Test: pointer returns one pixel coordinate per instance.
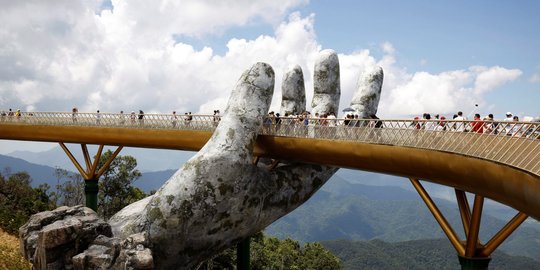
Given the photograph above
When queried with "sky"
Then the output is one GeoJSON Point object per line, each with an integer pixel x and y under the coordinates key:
{"type": "Point", "coordinates": [159, 56]}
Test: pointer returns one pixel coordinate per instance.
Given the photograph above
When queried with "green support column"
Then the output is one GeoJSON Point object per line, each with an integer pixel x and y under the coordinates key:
{"type": "Point", "coordinates": [91, 189]}
{"type": "Point", "coordinates": [480, 263]}
{"type": "Point", "coordinates": [242, 255]}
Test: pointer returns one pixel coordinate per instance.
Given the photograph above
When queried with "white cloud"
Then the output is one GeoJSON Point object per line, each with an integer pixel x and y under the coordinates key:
{"type": "Point", "coordinates": [388, 48]}
{"type": "Point", "coordinates": [127, 59]}
{"type": "Point", "coordinates": [535, 78]}
{"type": "Point", "coordinates": [490, 78]}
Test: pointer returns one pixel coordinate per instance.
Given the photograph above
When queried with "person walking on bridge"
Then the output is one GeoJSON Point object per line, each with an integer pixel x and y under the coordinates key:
{"type": "Point", "coordinates": [98, 117]}
{"type": "Point", "coordinates": [460, 126]}
{"type": "Point", "coordinates": [478, 125]}
{"type": "Point", "coordinates": [174, 119]}
{"type": "Point", "coordinates": [141, 117]}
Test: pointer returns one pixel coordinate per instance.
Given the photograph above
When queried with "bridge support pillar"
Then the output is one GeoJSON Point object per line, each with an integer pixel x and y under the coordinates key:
{"type": "Point", "coordinates": [91, 173]}
{"type": "Point", "coordinates": [242, 255]}
{"type": "Point", "coordinates": [472, 254]}
{"type": "Point", "coordinates": [91, 189]}
{"type": "Point", "coordinates": [480, 263]}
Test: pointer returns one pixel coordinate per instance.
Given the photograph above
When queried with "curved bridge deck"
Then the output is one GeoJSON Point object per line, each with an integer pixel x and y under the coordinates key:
{"type": "Point", "coordinates": [501, 163]}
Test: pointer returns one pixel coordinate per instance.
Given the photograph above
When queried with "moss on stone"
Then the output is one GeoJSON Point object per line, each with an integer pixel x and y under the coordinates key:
{"type": "Point", "coordinates": [224, 188]}
{"type": "Point", "coordinates": [154, 214]}
{"type": "Point", "coordinates": [230, 133]}
{"type": "Point", "coordinates": [186, 209]}
{"type": "Point", "coordinates": [170, 199]}
{"type": "Point", "coordinates": [368, 98]}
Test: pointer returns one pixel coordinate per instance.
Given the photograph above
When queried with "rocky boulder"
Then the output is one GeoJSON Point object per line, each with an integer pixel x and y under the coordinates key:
{"type": "Point", "coordinates": [76, 238]}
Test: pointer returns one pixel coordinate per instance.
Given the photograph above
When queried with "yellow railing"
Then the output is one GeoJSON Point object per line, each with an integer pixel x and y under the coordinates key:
{"type": "Point", "coordinates": [512, 143]}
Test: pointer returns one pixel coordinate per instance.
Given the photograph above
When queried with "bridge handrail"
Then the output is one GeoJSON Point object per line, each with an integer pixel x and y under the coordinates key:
{"type": "Point", "coordinates": [513, 143]}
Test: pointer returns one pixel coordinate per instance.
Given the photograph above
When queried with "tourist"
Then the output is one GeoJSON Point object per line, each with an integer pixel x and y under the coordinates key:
{"type": "Point", "coordinates": [174, 119]}
{"type": "Point", "coordinates": [141, 117]}
{"type": "Point", "coordinates": [74, 112]}
{"type": "Point", "coordinates": [189, 118]}
{"type": "Point", "coordinates": [490, 126]}
{"type": "Point", "coordinates": [508, 125]}
{"type": "Point", "coordinates": [277, 120]}
{"type": "Point", "coordinates": [415, 123]}
{"type": "Point", "coordinates": [428, 124]}
{"type": "Point", "coordinates": [268, 122]}
{"type": "Point", "coordinates": [516, 129]}
{"type": "Point", "coordinates": [216, 118]}
{"type": "Point", "coordinates": [441, 125]}
{"type": "Point", "coordinates": [122, 118]}
{"type": "Point", "coordinates": [460, 126]}
{"type": "Point", "coordinates": [132, 117]}
{"type": "Point", "coordinates": [98, 117]}
{"type": "Point", "coordinates": [478, 125]}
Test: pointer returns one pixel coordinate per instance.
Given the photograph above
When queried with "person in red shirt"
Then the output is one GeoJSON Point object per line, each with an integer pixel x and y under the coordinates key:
{"type": "Point", "coordinates": [478, 124]}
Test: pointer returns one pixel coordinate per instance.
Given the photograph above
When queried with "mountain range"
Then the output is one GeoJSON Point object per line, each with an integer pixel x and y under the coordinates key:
{"type": "Point", "coordinates": [353, 205]}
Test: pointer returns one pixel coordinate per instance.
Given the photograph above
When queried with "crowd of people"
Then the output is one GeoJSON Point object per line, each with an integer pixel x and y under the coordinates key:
{"type": "Point", "coordinates": [511, 125]}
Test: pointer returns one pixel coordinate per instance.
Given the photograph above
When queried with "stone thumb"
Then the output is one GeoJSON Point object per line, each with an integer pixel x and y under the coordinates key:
{"type": "Point", "coordinates": [248, 104]}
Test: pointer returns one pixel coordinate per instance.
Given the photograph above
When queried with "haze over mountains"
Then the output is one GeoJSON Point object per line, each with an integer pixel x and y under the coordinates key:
{"type": "Point", "coordinates": [147, 159]}
{"type": "Point", "coordinates": [353, 205]}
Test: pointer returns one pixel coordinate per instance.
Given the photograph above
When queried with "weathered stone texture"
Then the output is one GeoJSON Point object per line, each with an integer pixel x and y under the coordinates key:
{"type": "Point", "coordinates": [326, 83]}
{"type": "Point", "coordinates": [49, 239]}
{"type": "Point", "coordinates": [75, 238]}
{"type": "Point", "coordinates": [366, 98]}
{"type": "Point", "coordinates": [293, 90]}
{"type": "Point", "coordinates": [112, 253]}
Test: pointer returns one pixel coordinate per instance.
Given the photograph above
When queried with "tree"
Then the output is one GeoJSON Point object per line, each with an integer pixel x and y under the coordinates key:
{"type": "Point", "coordinates": [18, 201]}
{"type": "Point", "coordinates": [115, 185]}
{"type": "Point", "coordinates": [71, 191]}
{"type": "Point", "coordinates": [315, 256]}
{"type": "Point", "coordinates": [272, 253]}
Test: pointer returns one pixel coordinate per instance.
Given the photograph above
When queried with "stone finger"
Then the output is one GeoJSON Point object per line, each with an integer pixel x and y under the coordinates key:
{"type": "Point", "coordinates": [293, 101]}
{"type": "Point", "coordinates": [326, 83]}
{"type": "Point", "coordinates": [365, 101]}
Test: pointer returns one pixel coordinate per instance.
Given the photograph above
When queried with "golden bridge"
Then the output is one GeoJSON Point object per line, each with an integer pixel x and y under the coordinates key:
{"type": "Point", "coordinates": [495, 160]}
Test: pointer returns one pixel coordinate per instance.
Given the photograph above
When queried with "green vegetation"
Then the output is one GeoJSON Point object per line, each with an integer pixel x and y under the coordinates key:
{"type": "Point", "coordinates": [269, 253]}
{"type": "Point", "coordinates": [343, 210]}
{"type": "Point", "coordinates": [18, 201]}
{"type": "Point", "coordinates": [115, 186]}
{"type": "Point", "coordinates": [418, 254]}
{"type": "Point", "coordinates": [69, 188]}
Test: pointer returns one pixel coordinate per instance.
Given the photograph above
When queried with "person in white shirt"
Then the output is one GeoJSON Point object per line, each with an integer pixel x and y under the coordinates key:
{"type": "Point", "coordinates": [508, 126]}
{"type": "Point", "coordinates": [460, 126]}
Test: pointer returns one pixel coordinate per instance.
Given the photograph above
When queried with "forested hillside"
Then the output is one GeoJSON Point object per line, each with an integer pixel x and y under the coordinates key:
{"type": "Point", "coordinates": [418, 254]}
{"type": "Point", "coordinates": [342, 210]}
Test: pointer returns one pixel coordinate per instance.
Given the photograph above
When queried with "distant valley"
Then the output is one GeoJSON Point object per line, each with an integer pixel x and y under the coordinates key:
{"type": "Point", "coordinates": [353, 205]}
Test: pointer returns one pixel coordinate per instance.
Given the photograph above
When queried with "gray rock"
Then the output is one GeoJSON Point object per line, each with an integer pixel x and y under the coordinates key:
{"type": "Point", "coordinates": [113, 253]}
{"type": "Point", "coordinates": [293, 91]}
{"type": "Point", "coordinates": [366, 98]}
{"type": "Point", "coordinates": [50, 239]}
{"type": "Point", "coordinates": [75, 238]}
{"type": "Point", "coordinates": [326, 83]}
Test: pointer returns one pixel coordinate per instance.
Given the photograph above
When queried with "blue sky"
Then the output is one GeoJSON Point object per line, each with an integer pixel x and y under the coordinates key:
{"type": "Point", "coordinates": [159, 56]}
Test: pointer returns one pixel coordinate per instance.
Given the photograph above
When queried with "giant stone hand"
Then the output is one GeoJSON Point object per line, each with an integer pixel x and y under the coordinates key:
{"type": "Point", "coordinates": [220, 197]}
